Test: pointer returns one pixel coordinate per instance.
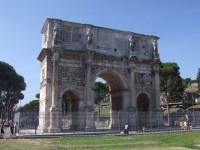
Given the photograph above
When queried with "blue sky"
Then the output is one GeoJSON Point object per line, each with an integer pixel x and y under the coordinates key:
{"type": "Point", "coordinates": [176, 22]}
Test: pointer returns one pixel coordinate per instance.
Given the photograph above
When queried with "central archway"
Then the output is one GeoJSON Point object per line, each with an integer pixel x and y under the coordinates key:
{"type": "Point", "coordinates": [116, 92]}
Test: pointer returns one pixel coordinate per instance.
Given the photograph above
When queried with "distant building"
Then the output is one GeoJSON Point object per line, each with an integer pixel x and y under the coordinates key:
{"type": "Point", "coordinates": [190, 97]}
{"type": "Point", "coordinates": [191, 94]}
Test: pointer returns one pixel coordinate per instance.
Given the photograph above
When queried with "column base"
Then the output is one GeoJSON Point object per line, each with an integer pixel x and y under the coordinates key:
{"type": "Point", "coordinates": [52, 129]}
{"type": "Point", "coordinates": [114, 126]}
{"type": "Point", "coordinates": [90, 129]}
{"type": "Point", "coordinates": [132, 118]}
{"type": "Point", "coordinates": [133, 110]}
{"type": "Point", "coordinates": [42, 129]}
{"type": "Point", "coordinates": [54, 120]}
{"type": "Point", "coordinates": [158, 109]}
{"type": "Point", "coordinates": [89, 47]}
{"type": "Point", "coordinates": [89, 118]}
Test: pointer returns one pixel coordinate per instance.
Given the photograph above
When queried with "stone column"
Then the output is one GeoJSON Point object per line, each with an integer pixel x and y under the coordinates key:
{"type": "Point", "coordinates": [157, 86]}
{"type": "Point", "coordinates": [54, 110]}
{"type": "Point", "coordinates": [133, 109]}
{"type": "Point", "coordinates": [133, 90]}
{"type": "Point", "coordinates": [116, 109]}
{"type": "Point", "coordinates": [89, 102]}
{"type": "Point", "coordinates": [45, 90]}
{"type": "Point", "coordinates": [89, 110]}
{"type": "Point", "coordinates": [159, 118]}
{"type": "Point", "coordinates": [81, 119]}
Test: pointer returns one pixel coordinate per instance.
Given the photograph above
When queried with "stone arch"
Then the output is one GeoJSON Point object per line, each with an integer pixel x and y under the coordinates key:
{"type": "Point", "coordinates": [105, 74]}
{"type": "Point", "coordinates": [71, 100]}
{"type": "Point", "coordinates": [117, 86]}
{"type": "Point", "coordinates": [115, 80]}
{"type": "Point", "coordinates": [71, 67]}
{"type": "Point", "coordinates": [143, 106]}
{"type": "Point", "coordinates": [143, 102]}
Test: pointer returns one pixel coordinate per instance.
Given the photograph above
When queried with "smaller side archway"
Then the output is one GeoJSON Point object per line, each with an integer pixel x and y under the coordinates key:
{"type": "Point", "coordinates": [143, 104]}
{"type": "Point", "coordinates": [72, 118]}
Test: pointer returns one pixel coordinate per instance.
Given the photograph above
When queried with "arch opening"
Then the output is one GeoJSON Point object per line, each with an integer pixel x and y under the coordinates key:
{"type": "Point", "coordinates": [70, 108]}
{"type": "Point", "coordinates": [108, 108]}
{"type": "Point", "coordinates": [143, 103]}
{"type": "Point", "coordinates": [143, 109]}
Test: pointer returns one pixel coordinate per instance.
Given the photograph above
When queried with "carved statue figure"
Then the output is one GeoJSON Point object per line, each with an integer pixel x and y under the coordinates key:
{"type": "Point", "coordinates": [131, 41]}
{"type": "Point", "coordinates": [55, 35]}
{"type": "Point", "coordinates": [155, 46]}
{"type": "Point", "coordinates": [155, 50]}
{"type": "Point", "coordinates": [89, 36]}
{"type": "Point", "coordinates": [55, 32]}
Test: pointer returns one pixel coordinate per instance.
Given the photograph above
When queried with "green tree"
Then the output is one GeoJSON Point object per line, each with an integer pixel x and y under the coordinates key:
{"type": "Point", "coordinates": [11, 86]}
{"type": "Point", "coordinates": [198, 80]}
{"type": "Point", "coordinates": [176, 89]}
{"type": "Point", "coordinates": [32, 106]}
{"type": "Point", "coordinates": [171, 84]}
{"type": "Point", "coordinates": [186, 82]}
{"type": "Point", "coordinates": [37, 95]}
{"type": "Point", "coordinates": [101, 92]}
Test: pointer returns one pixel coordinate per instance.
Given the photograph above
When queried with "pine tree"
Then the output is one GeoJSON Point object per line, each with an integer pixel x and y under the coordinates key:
{"type": "Point", "coordinates": [171, 83]}
{"type": "Point", "coordinates": [176, 89]}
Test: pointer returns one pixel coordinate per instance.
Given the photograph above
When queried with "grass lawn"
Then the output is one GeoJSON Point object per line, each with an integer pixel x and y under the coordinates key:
{"type": "Point", "coordinates": [173, 141]}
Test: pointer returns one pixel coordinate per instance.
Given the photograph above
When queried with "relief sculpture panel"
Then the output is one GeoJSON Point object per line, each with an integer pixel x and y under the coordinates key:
{"type": "Point", "coordinates": [143, 78]}
{"type": "Point", "coordinates": [69, 73]}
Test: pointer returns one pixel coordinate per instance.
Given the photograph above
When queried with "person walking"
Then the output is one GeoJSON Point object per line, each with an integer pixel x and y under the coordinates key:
{"type": "Point", "coordinates": [16, 128]}
{"type": "Point", "coordinates": [2, 130]}
{"type": "Point", "coordinates": [11, 129]}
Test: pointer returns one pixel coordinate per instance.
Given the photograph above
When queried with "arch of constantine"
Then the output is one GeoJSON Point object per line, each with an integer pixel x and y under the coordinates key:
{"type": "Point", "coordinates": [74, 55]}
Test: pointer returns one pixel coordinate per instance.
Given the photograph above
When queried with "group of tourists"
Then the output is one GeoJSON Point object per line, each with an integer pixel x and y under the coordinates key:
{"type": "Point", "coordinates": [14, 128]}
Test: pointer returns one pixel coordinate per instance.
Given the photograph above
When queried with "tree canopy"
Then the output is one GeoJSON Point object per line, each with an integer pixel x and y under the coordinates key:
{"type": "Point", "coordinates": [101, 91]}
{"type": "Point", "coordinates": [32, 106]}
{"type": "Point", "coordinates": [11, 86]}
{"type": "Point", "coordinates": [171, 82]}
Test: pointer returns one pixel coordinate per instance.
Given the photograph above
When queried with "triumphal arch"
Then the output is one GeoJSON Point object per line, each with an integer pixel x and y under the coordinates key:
{"type": "Point", "coordinates": [73, 55]}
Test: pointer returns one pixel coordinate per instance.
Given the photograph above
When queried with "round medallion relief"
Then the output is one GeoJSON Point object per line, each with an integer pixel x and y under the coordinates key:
{"type": "Point", "coordinates": [147, 79]}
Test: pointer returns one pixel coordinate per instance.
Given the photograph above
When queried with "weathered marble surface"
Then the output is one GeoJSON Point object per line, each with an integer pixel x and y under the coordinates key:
{"type": "Point", "coordinates": [73, 55]}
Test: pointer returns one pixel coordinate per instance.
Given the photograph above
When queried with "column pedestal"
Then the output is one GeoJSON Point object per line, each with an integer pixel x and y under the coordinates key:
{"type": "Point", "coordinates": [89, 117]}
{"type": "Point", "coordinates": [115, 120]}
{"type": "Point", "coordinates": [54, 120]}
{"type": "Point", "coordinates": [132, 118]}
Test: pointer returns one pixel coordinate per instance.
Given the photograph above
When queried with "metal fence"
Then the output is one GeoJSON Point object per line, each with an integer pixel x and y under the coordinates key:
{"type": "Point", "coordinates": [28, 122]}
